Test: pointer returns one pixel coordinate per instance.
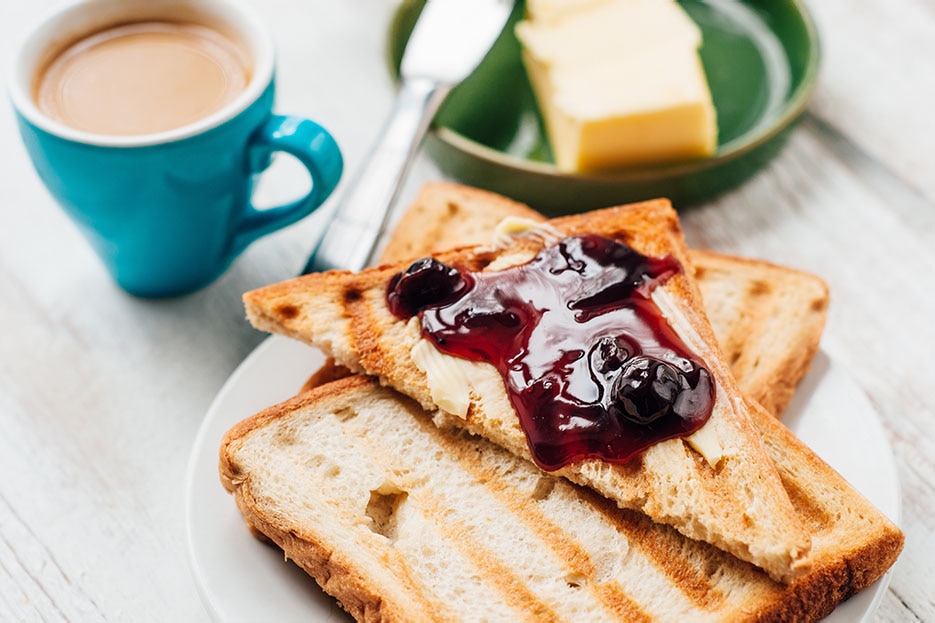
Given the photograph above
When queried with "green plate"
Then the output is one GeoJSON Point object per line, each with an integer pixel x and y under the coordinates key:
{"type": "Point", "coordinates": [761, 60]}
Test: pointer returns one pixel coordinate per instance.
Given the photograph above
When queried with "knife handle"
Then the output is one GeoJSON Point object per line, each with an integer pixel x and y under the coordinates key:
{"type": "Point", "coordinates": [358, 222]}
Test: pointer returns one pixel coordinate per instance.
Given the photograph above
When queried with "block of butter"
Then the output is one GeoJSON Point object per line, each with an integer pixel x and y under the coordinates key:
{"type": "Point", "coordinates": [619, 82]}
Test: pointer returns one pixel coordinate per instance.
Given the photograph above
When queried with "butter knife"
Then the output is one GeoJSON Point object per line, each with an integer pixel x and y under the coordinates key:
{"type": "Point", "coordinates": [449, 40]}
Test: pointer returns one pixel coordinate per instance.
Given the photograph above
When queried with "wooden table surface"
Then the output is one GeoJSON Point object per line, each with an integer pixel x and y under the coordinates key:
{"type": "Point", "coordinates": [101, 394]}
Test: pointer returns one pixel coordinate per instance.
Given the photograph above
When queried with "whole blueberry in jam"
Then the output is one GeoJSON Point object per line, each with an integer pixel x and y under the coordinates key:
{"type": "Point", "coordinates": [426, 282]}
{"type": "Point", "coordinates": [648, 389]}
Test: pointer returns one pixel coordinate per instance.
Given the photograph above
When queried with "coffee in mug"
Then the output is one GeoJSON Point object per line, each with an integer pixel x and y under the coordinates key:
{"type": "Point", "coordinates": [142, 78]}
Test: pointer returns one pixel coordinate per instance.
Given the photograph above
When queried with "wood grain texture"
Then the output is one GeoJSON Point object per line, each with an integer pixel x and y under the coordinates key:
{"type": "Point", "coordinates": [101, 394]}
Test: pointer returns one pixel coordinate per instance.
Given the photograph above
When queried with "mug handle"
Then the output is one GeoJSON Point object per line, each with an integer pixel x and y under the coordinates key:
{"type": "Point", "coordinates": [315, 148]}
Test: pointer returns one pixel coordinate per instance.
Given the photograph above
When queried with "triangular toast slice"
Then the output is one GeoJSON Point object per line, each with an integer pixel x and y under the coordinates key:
{"type": "Point", "coordinates": [767, 319]}
{"type": "Point", "coordinates": [720, 488]}
{"type": "Point", "coordinates": [402, 521]}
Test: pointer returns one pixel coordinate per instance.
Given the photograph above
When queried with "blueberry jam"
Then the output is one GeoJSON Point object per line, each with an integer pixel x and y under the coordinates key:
{"type": "Point", "coordinates": [591, 367]}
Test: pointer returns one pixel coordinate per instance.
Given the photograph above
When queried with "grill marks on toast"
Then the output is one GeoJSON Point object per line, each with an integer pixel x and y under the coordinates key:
{"type": "Point", "coordinates": [598, 575]}
{"type": "Point", "coordinates": [814, 514]}
{"type": "Point", "coordinates": [496, 574]}
{"type": "Point", "coordinates": [686, 563]}
{"type": "Point", "coordinates": [465, 521]}
{"type": "Point", "coordinates": [364, 336]}
{"type": "Point", "coordinates": [455, 527]}
{"type": "Point", "coordinates": [524, 501]}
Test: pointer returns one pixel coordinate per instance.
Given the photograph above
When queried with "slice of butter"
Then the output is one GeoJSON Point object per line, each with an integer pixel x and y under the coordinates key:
{"type": "Point", "coordinates": [619, 83]}
{"type": "Point", "coordinates": [513, 227]}
{"type": "Point", "coordinates": [706, 442]}
{"type": "Point", "coordinates": [447, 381]}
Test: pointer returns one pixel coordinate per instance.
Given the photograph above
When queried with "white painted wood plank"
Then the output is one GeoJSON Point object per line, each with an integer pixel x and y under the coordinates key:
{"type": "Point", "coordinates": [877, 83]}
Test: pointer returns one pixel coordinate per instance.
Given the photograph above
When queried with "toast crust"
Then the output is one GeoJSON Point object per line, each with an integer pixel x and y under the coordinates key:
{"type": "Point", "coordinates": [737, 504]}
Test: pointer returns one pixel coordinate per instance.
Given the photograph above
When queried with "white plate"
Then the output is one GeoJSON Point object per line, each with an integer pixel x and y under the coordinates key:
{"type": "Point", "coordinates": [241, 579]}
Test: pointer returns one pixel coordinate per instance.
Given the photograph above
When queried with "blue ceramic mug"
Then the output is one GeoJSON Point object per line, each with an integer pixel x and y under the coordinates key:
{"type": "Point", "coordinates": [168, 212]}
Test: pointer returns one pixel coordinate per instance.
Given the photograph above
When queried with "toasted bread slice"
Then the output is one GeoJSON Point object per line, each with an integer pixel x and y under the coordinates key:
{"type": "Point", "coordinates": [724, 491]}
{"type": "Point", "coordinates": [404, 522]}
{"type": "Point", "coordinates": [767, 319]}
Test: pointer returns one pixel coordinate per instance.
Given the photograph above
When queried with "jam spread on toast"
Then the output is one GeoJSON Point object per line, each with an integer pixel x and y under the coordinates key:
{"type": "Point", "coordinates": [591, 366]}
